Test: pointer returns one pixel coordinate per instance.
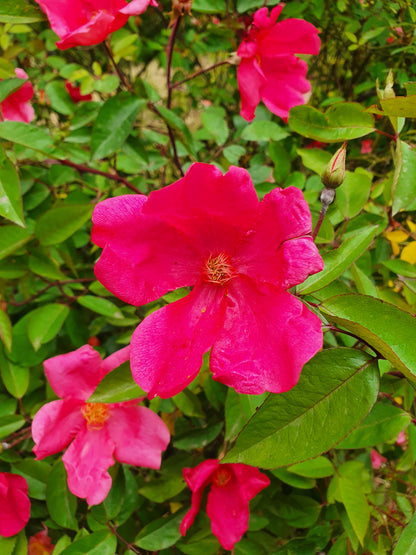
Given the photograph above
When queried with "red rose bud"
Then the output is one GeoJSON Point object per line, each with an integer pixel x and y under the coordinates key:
{"type": "Point", "coordinates": [334, 174]}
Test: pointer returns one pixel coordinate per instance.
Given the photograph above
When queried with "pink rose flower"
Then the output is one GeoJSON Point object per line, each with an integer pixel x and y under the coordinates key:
{"type": "Point", "coordinates": [88, 22]}
{"type": "Point", "coordinates": [14, 504]}
{"type": "Point", "coordinates": [232, 487]}
{"type": "Point", "coordinates": [96, 433]}
{"type": "Point", "coordinates": [17, 107]}
{"type": "Point", "coordinates": [75, 93]}
{"type": "Point", "coordinates": [269, 70]}
{"type": "Point", "coordinates": [376, 459]}
{"type": "Point", "coordinates": [366, 146]}
{"type": "Point", "coordinates": [211, 232]}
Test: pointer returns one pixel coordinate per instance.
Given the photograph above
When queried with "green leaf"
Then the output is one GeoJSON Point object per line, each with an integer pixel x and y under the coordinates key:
{"type": "Point", "coordinates": [407, 541]}
{"type": "Point", "coordinates": [400, 106]}
{"type": "Point", "coordinates": [45, 323]}
{"type": "Point", "coordinates": [294, 480]}
{"type": "Point", "coordinates": [263, 131]}
{"type": "Point", "coordinates": [298, 511]}
{"type": "Point", "coordinates": [213, 119]}
{"type": "Point", "coordinates": [11, 206]}
{"type": "Point", "coordinates": [36, 474]}
{"type": "Point", "coordinates": [28, 136]}
{"type": "Point", "coordinates": [165, 487]}
{"type": "Point", "coordinates": [6, 330]}
{"type": "Point", "coordinates": [245, 5]}
{"type": "Point", "coordinates": [209, 6]}
{"type": "Point", "coordinates": [400, 267]}
{"type": "Point", "coordinates": [98, 543]}
{"type": "Point", "coordinates": [19, 11]}
{"type": "Point", "coordinates": [390, 330]}
{"type": "Point", "coordinates": [101, 306]}
{"type": "Point", "coordinates": [57, 224]}
{"type": "Point", "coordinates": [239, 409]}
{"type": "Point", "coordinates": [12, 238]}
{"type": "Point", "coordinates": [9, 86]}
{"type": "Point", "coordinates": [114, 122]}
{"type": "Point", "coordinates": [176, 122]}
{"type": "Point", "coordinates": [338, 260]}
{"type": "Point", "coordinates": [343, 121]}
{"type": "Point", "coordinates": [117, 386]}
{"type": "Point", "coordinates": [9, 424]}
{"type": "Point", "coordinates": [61, 503]}
{"type": "Point", "coordinates": [314, 159]}
{"type": "Point", "coordinates": [336, 389]}
{"type": "Point", "coordinates": [7, 545]}
{"type": "Point", "coordinates": [15, 378]}
{"type": "Point", "coordinates": [353, 193]}
{"type": "Point", "coordinates": [404, 177]}
{"type": "Point", "coordinates": [161, 533]}
{"type": "Point", "coordinates": [198, 438]}
{"type": "Point", "coordinates": [356, 506]}
{"type": "Point", "coordinates": [384, 423]}
{"type": "Point", "coordinates": [59, 97]}
{"type": "Point", "coordinates": [321, 467]}
{"type": "Point", "coordinates": [188, 403]}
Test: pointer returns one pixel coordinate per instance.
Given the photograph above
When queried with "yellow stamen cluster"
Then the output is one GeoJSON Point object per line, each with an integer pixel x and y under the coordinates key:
{"type": "Point", "coordinates": [218, 269]}
{"type": "Point", "coordinates": [95, 414]}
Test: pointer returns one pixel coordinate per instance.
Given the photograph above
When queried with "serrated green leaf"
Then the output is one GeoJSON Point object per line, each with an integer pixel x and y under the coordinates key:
{"type": "Point", "coordinates": [343, 121]}
{"type": "Point", "coordinates": [59, 223]}
{"type": "Point", "coordinates": [114, 122]}
{"type": "Point", "coordinates": [45, 323]}
{"type": "Point", "coordinates": [356, 506]}
{"type": "Point", "coordinates": [336, 390]}
{"type": "Point", "coordinates": [338, 260]}
{"type": "Point", "coordinates": [117, 386]}
{"type": "Point", "coordinates": [390, 330]}
{"type": "Point", "coordinates": [28, 135]}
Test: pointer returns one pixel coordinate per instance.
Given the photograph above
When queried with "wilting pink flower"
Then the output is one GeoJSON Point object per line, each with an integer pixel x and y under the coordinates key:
{"type": "Point", "coordinates": [210, 231]}
{"type": "Point", "coordinates": [366, 146]}
{"type": "Point", "coordinates": [232, 487]}
{"type": "Point", "coordinates": [40, 544]}
{"type": "Point", "coordinates": [97, 433]}
{"type": "Point", "coordinates": [14, 504]}
{"type": "Point", "coordinates": [376, 459]}
{"type": "Point", "coordinates": [17, 107]}
{"type": "Point", "coordinates": [269, 70]}
{"type": "Point", "coordinates": [75, 93]}
{"type": "Point", "coordinates": [88, 22]}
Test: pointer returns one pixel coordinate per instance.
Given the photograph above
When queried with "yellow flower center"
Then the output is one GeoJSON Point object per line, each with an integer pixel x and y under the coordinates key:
{"type": "Point", "coordinates": [222, 476]}
{"type": "Point", "coordinates": [95, 414]}
{"type": "Point", "coordinates": [218, 269]}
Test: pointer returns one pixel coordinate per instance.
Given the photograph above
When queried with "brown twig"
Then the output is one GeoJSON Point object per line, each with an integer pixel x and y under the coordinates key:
{"type": "Point", "coordinates": [52, 284]}
{"type": "Point", "coordinates": [118, 70]}
{"type": "Point", "coordinates": [126, 543]}
{"type": "Point", "coordinates": [197, 73]}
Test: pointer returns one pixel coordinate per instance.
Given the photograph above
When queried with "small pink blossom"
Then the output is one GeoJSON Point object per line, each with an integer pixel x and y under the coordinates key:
{"type": "Point", "coordinates": [401, 439]}
{"type": "Point", "coordinates": [269, 69]}
{"type": "Point", "coordinates": [210, 231]}
{"type": "Point", "coordinates": [14, 504]}
{"type": "Point", "coordinates": [89, 22]}
{"type": "Point", "coordinates": [232, 487]}
{"type": "Point", "coordinates": [376, 459]}
{"type": "Point", "coordinates": [96, 433]}
{"type": "Point", "coordinates": [366, 146]}
{"type": "Point", "coordinates": [75, 93]}
{"type": "Point", "coordinates": [17, 107]}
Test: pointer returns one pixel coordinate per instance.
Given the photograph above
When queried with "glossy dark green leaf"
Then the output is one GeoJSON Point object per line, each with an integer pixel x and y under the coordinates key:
{"type": "Point", "coordinates": [61, 503]}
{"type": "Point", "coordinates": [165, 487]}
{"type": "Point", "coordinates": [390, 330]}
{"type": "Point", "coordinates": [12, 237]}
{"type": "Point", "coordinates": [336, 390]}
{"type": "Point", "coordinates": [114, 122]}
{"type": "Point", "coordinates": [45, 323]}
{"type": "Point", "coordinates": [10, 424]}
{"type": "Point", "coordinates": [343, 121]}
{"type": "Point", "coordinates": [59, 98]}
{"type": "Point", "coordinates": [198, 438]}
{"type": "Point", "coordinates": [59, 223]}
{"type": "Point", "coordinates": [161, 533]}
{"type": "Point", "coordinates": [101, 306]}
{"type": "Point", "coordinates": [98, 543]}
{"type": "Point", "coordinates": [404, 178]}
{"type": "Point", "coordinates": [294, 480]}
{"type": "Point", "coordinates": [15, 378]}
{"type": "Point", "coordinates": [117, 386]}
{"type": "Point", "coordinates": [298, 510]}
{"type": "Point", "coordinates": [321, 467]}
{"type": "Point", "coordinates": [384, 423]}
{"type": "Point", "coordinates": [36, 474]}
{"type": "Point", "coordinates": [338, 260]}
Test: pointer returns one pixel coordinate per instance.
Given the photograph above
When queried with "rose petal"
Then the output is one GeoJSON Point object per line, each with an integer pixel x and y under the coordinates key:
{"type": "Point", "coordinates": [115, 360]}
{"type": "Point", "coordinates": [14, 504]}
{"type": "Point", "coordinates": [139, 435]}
{"type": "Point", "coordinates": [86, 461]}
{"type": "Point", "coordinates": [291, 36]}
{"type": "Point", "coordinates": [55, 425]}
{"type": "Point", "coordinates": [136, 7]}
{"type": "Point", "coordinates": [251, 81]}
{"type": "Point", "coordinates": [167, 347]}
{"type": "Point", "coordinates": [268, 336]}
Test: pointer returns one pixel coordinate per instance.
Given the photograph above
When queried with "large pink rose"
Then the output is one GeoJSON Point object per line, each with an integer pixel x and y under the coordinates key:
{"type": "Point", "coordinates": [209, 231]}
{"type": "Point", "coordinates": [88, 22]}
{"type": "Point", "coordinates": [14, 504]}
{"type": "Point", "coordinates": [232, 487]}
{"type": "Point", "coordinates": [17, 107]}
{"type": "Point", "coordinates": [96, 433]}
{"type": "Point", "coordinates": [269, 70]}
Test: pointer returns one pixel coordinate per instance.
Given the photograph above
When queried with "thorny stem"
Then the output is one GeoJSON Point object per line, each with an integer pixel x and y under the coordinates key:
{"type": "Point", "coordinates": [118, 70]}
{"type": "Point", "coordinates": [126, 543]}
{"type": "Point", "coordinates": [27, 433]}
{"type": "Point", "coordinates": [197, 73]}
{"type": "Point", "coordinates": [85, 169]}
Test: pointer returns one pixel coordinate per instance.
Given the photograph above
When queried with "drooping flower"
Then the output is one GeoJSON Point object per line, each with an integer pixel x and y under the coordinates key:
{"type": "Point", "coordinates": [232, 487]}
{"type": "Point", "coordinates": [376, 459]}
{"type": "Point", "coordinates": [40, 544]}
{"type": "Point", "coordinates": [89, 22]}
{"type": "Point", "coordinates": [269, 69]}
{"type": "Point", "coordinates": [17, 107]}
{"type": "Point", "coordinates": [14, 504]}
{"type": "Point", "coordinates": [210, 231]}
{"type": "Point", "coordinates": [75, 93]}
{"type": "Point", "coordinates": [97, 433]}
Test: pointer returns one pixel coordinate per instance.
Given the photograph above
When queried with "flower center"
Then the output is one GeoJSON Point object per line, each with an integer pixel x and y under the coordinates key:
{"type": "Point", "coordinates": [95, 414]}
{"type": "Point", "coordinates": [222, 476]}
{"type": "Point", "coordinates": [218, 269]}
